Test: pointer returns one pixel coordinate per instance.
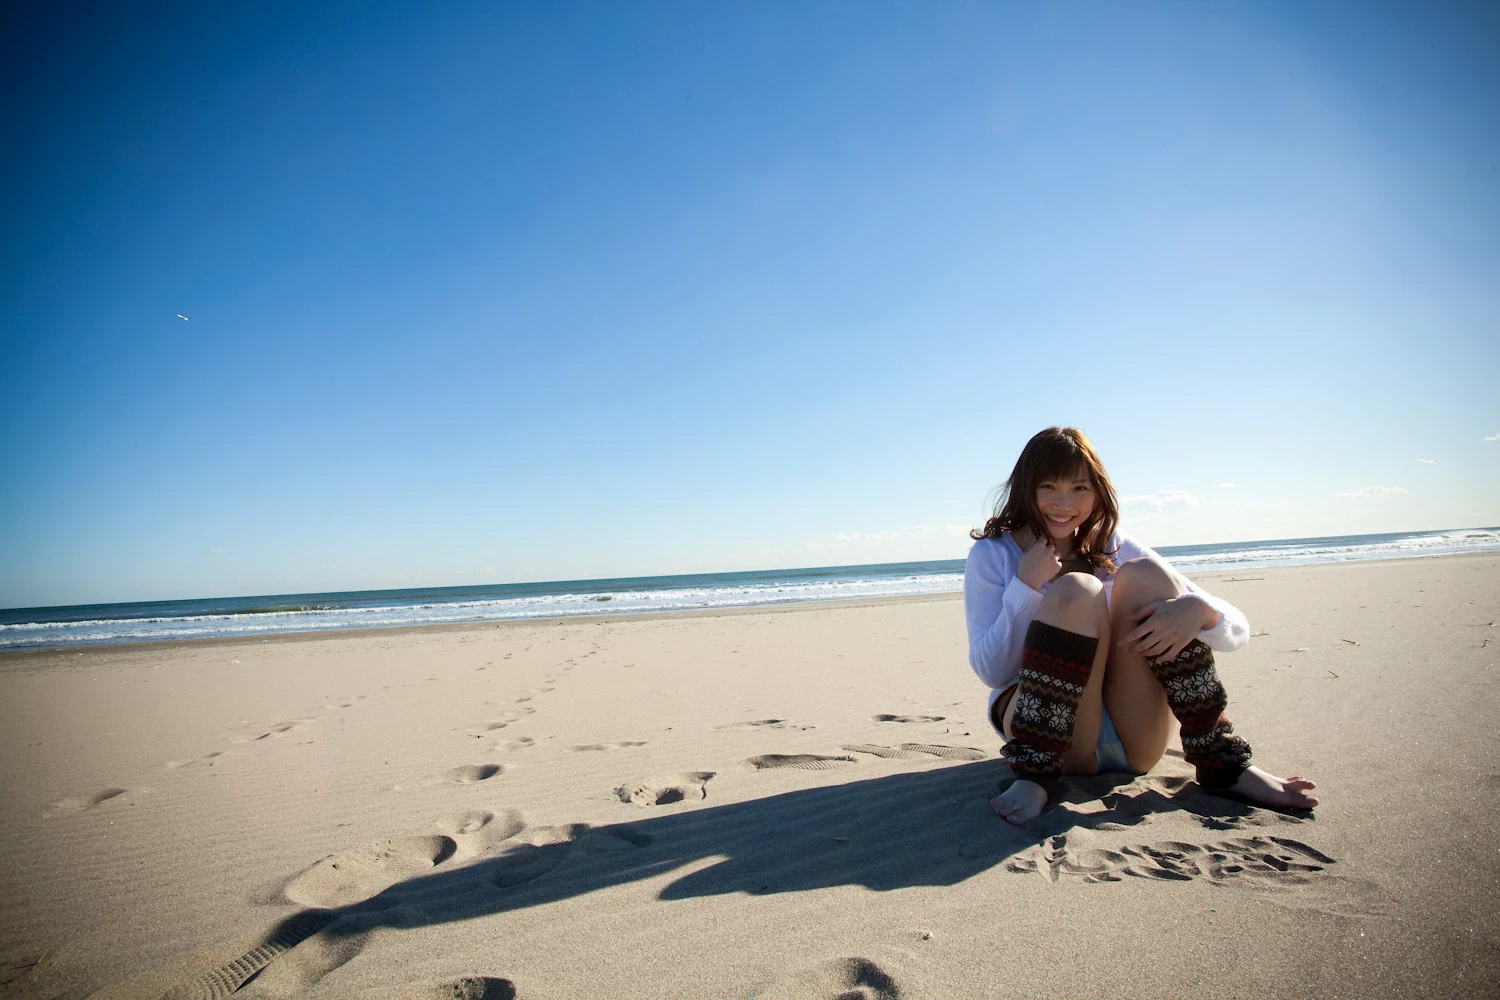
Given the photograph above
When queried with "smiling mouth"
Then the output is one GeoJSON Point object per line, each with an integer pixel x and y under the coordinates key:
{"type": "Point", "coordinates": [1058, 520]}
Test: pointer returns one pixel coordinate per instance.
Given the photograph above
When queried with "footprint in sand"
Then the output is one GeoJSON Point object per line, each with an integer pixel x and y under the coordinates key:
{"type": "Point", "coordinates": [292, 958]}
{"type": "Point", "coordinates": [1250, 860]}
{"type": "Point", "coordinates": [837, 979]}
{"type": "Point", "coordinates": [914, 750]}
{"type": "Point", "coordinates": [228, 978]}
{"type": "Point", "coordinates": [623, 744]}
{"type": "Point", "coordinates": [519, 743]}
{"type": "Point", "coordinates": [801, 761]}
{"type": "Point", "coordinates": [207, 758]}
{"type": "Point", "coordinates": [301, 968]}
{"type": "Point", "coordinates": [537, 853]}
{"type": "Point", "coordinates": [465, 774]}
{"type": "Point", "coordinates": [688, 786]}
{"type": "Point", "coordinates": [543, 848]}
{"type": "Point", "coordinates": [480, 831]}
{"type": "Point", "coordinates": [359, 874]}
{"type": "Point", "coordinates": [275, 730]}
{"type": "Point", "coordinates": [79, 803]}
{"type": "Point", "coordinates": [763, 724]}
{"type": "Point", "coordinates": [506, 718]}
{"type": "Point", "coordinates": [466, 988]}
{"type": "Point", "coordinates": [887, 717]}
{"type": "Point", "coordinates": [467, 821]}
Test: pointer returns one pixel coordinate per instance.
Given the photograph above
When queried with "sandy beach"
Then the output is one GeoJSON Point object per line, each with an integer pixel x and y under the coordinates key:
{"type": "Point", "coordinates": [789, 802]}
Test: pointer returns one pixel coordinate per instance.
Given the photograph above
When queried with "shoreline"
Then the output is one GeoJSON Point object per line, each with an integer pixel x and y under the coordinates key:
{"type": "Point", "coordinates": [476, 626]}
{"type": "Point", "coordinates": [15, 659]}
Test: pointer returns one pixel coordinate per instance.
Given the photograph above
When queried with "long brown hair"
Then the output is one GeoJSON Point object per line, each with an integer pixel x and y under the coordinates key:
{"type": "Point", "coordinates": [1058, 453]}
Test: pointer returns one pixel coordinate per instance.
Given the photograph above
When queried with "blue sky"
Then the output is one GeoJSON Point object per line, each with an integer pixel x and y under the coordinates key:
{"type": "Point", "coordinates": [491, 292]}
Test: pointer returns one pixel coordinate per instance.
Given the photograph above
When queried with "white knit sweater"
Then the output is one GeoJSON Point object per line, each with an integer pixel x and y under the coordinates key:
{"type": "Point", "coordinates": [999, 606]}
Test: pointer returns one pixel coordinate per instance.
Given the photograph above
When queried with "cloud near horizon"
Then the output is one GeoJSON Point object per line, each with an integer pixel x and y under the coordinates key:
{"type": "Point", "coordinates": [919, 531]}
{"type": "Point", "coordinates": [1161, 500]}
{"type": "Point", "coordinates": [1369, 491]}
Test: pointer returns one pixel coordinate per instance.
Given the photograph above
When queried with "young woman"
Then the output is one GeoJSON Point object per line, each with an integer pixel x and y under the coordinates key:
{"type": "Point", "coordinates": [1091, 644]}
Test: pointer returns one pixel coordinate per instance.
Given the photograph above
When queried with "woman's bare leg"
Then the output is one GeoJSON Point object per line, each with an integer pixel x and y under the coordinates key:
{"type": "Point", "coordinates": [1139, 709]}
{"type": "Point", "coordinates": [1074, 602]}
{"type": "Point", "coordinates": [1136, 701]}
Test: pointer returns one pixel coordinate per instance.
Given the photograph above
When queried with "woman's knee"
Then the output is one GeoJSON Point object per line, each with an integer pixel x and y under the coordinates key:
{"type": "Point", "coordinates": [1147, 578]}
{"type": "Point", "coordinates": [1073, 596]}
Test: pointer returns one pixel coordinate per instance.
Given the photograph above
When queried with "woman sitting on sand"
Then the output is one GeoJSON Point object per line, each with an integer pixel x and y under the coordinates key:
{"type": "Point", "coordinates": [1049, 583]}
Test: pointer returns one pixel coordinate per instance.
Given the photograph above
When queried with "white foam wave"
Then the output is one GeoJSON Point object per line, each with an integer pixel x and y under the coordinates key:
{"type": "Point", "coordinates": [843, 586]}
{"type": "Point", "coordinates": [1258, 555]}
{"type": "Point", "coordinates": [39, 634]}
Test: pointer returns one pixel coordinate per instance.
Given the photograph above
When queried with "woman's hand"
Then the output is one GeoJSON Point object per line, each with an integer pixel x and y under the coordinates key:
{"type": "Point", "coordinates": [1039, 564]}
{"type": "Point", "coordinates": [1168, 626]}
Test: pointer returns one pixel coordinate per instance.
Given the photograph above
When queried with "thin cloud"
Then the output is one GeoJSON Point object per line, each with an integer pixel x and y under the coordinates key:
{"type": "Point", "coordinates": [1425, 461]}
{"type": "Point", "coordinates": [1493, 437]}
{"type": "Point", "coordinates": [1230, 486]}
{"type": "Point", "coordinates": [1369, 491]}
{"type": "Point", "coordinates": [1162, 499]}
{"type": "Point", "coordinates": [952, 530]}
{"type": "Point", "coordinates": [876, 537]}
{"type": "Point", "coordinates": [919, 531]}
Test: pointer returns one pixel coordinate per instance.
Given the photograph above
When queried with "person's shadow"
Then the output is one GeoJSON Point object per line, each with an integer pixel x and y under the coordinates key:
{"type": "Point", "coordinates": [931, 827]}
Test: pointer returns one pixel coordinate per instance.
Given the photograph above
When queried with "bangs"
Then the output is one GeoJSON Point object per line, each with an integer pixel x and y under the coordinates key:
{"type": "Point", "coordinates": [1062, 466]}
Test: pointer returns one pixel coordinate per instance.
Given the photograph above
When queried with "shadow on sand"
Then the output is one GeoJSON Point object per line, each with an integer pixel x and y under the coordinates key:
{"type": "Point", "coordinates": [922, 828]}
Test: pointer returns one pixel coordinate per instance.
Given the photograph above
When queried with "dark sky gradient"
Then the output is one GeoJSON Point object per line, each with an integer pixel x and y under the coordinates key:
{"type": "Point", "coordinates": [512, 291]}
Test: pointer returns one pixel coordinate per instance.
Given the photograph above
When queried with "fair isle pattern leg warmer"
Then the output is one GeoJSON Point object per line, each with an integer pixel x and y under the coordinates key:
{"type": "Point", "coordinates": [1198, 700]}
{"type": "Point", "coordinates": [1055, 667]}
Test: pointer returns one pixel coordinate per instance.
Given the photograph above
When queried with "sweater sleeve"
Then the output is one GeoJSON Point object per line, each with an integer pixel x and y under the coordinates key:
{"type": "Point", "coordinates": [1232, 630]}
{"type": "Point", "coordinates": [998, 608]}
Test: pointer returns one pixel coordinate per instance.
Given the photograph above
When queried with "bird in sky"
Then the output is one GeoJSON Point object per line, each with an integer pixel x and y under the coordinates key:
{"type": "Point", "coordinates": [182, 317]}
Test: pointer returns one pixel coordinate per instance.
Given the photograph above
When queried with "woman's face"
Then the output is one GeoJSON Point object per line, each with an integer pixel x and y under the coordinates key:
{"type": "Point", "coordinates": [1065, 503]}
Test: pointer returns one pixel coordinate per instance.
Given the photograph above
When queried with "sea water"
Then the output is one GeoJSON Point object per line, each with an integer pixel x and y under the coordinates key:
{"type": "Point", "coordinates": [39, 628]}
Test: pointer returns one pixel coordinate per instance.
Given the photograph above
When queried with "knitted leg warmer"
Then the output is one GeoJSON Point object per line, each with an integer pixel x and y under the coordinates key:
{"type": "Point", "coordinates": [1198, 700]}
{"type": "Point", "coordinates": [1055, 667]}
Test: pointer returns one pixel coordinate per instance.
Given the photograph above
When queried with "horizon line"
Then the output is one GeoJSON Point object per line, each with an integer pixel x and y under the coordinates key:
{"type": "Point", "coordinates": [663, 576]}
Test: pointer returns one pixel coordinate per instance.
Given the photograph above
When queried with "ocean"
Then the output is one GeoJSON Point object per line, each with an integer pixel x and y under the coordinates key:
{"type": "Point", "coordinates": [100, 624]}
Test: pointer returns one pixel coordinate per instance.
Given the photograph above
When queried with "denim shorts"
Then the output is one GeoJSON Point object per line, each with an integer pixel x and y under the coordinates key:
{"type": "Point", "coordinates": [1109, 753]}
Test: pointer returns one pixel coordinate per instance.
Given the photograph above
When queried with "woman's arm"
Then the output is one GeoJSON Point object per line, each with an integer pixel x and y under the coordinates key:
{"type": "Point", "coordinates": [1228, 633]}
{"type": "Point", "coordinates": [998, 607]}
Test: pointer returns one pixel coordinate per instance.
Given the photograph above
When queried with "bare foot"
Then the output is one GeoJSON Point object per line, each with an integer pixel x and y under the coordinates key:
{"type": "Point", "coordinates": [1277, 793]}
{"type": "Point", "coordinates": [1020, 802]}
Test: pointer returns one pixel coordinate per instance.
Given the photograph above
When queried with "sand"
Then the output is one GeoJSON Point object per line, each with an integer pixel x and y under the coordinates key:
{"type": "Point", "coordinates": [782, 803]}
